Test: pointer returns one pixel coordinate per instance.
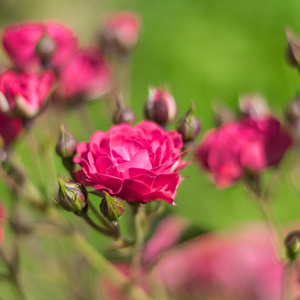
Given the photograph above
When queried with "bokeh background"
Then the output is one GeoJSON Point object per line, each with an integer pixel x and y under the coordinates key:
{"type": "Point", "coordinates": [203, 50]}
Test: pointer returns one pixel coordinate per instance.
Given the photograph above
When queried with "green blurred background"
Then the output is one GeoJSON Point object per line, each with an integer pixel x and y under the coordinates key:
{"type": "Point", "coordinates": [205, 50]}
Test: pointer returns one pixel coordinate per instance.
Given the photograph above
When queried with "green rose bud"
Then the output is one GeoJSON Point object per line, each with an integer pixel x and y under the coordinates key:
{"type": "Point", "coordinates": [66, 144]}
{"type": "Point", "coordinates": [189, 125]}
{"type": "Point", "coordinates": [292, 245]}
{"type": "Point", "coordinates": [72, 196]}
{"type": "Point", "coordinates": [112, 207]}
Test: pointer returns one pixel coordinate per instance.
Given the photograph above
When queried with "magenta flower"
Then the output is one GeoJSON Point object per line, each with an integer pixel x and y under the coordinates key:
{"type": "Point", "coordinates": [137, 164]}
{"type": "Point", "coordinates": [10, 129]}
{"type": "Point", "coordinates": [28, 44]}
{"type": "Point", "coordinates": [227, 152]}
{"type": "Point", "coordinates": [120, 31]}
{"type": "Point", "coordinates": [23, 95]}
{"type": "Point", "coordinates": [87, 74]}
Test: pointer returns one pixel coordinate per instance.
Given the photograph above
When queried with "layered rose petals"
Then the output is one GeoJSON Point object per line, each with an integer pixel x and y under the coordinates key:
{"type": "Point", "coordinates": [137, 164]}
{"type": "Point", "coordinates": [23, 94]}
{"type": "Point", "coordinates": [20, 42]}
{"type": "Point", "coordinates": [227, 152]}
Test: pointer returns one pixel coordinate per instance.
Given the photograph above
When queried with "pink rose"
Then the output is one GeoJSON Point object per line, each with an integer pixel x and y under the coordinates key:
{"type": "Point", "coordinates": [10, 129]}
{"type": "Point", "coordinates": [23, 95]}
{"type": "Point", "coordinates": [28, 44]}
{"type": "Point", "coordinates": [227, 152]}
{"type": "Point", "coordinates": [137, 164]}
{"type": "Point", "coordinates": [120, 31]}
{"type": "Point", "coordinates": [2, 215]}
{"type": "Point", "coordinates": [86, 74]}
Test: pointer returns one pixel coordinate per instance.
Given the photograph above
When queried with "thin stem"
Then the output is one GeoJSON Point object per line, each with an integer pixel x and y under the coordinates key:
{"type": "Point", "coordinates": [286, 282]}
{"type": "Point", "coordinates": [96, 226]}
{"type": "Point", "coordinates": [13, 276]}
{"type": "Point", "coordinates": [104, 267]}
{"type": "Point", "coordinates": [138, 215]}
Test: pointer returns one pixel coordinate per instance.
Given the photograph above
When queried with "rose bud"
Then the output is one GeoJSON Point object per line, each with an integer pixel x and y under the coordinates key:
{"type": "Point", "coordinates": [189, 125]}
{"type": "Point", "coordinates": [23, 95]}
{"type": "Point", "coordinates": [293, 49]}
{"type": "Point", "coordinates": [112, 207]}
{"type": "Point", "coordinates": [31, 46]}
{"type": "Point", "coordinates": [292, 111]}
{"type": "Point", "coordinates": [254, 106]}
{"type": "Point", "coordinates": [120, 32]}
{"type": "Point", "coordinates": [66, 145]}
{"type": "Point", "coordinates": [86, 76]}
{"type": "Point", "coordinates": [123, 114]}
{"type": "Point", "coordinates": [160, 107]}
{"type": "Point", "coordinates": [72, 196]}
{"type": "Point", "coordinates": [222, 114]}
{"type": "Point", "coordinates": [292, 245]}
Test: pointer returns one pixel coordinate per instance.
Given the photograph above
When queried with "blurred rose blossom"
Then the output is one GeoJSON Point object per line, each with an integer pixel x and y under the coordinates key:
{"type": "Point", "coordinates": [86, 75]}
{"type": "Point", "coordinates": [10, 129]}
{"type": "Point", "coordinates": [23, 94]}
{"type": "Point", "coordinates": [230, 150]}
{"type": "Point", "coordinates": [28, 44]}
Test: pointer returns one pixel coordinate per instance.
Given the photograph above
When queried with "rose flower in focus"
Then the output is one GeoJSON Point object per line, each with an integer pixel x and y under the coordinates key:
{"type": "Point", "coordinates": [137, 164]}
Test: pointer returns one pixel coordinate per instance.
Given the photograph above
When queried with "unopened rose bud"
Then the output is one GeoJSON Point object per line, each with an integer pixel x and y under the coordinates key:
{"type": "Point", "coordinates": [45, 49]}
{"type": "Point", "coordinates": [112, 207]}
{"type": "Point", "coordinates": [254, 106]}
{"type": "Point", "coordinates": [160, 107]}
{"type": "Point", "coordinates": [66, 144]}
{"type": "Point", "coordinates": [222, 114]}
{"type": "Point", "coordinates": [123, 114]}
{"type": "Point", "coordinates": [292, 245]}
{"type": "Point", "coordinates": [189, 125]}
{"type": "Point", "coordinates": [72, 196]}
{"type": "Point", "coordinates": [292, 49]}
{"type": "Point", "coordinates": [292, 111]}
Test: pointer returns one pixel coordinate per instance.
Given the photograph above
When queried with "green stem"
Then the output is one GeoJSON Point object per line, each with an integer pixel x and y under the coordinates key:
{"type": "Point", "coordinates": [13, 276]}
{"type": "Point", "coordinates": [138, 215]}
{"type": "Point", "coordinates": [104, 267]}
{"type": "Point", "coordinates": [103, 220]}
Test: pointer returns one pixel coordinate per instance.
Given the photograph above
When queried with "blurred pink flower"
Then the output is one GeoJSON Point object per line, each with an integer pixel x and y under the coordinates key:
{"type": "Point", "coordinates": [23, 95]}
{"type": "Point", "coordinates": [10, 129]}
{"type": "Point", "coordinates": [228, 151]}
{"type": "Point", "coordinates": [28, 44]}
{"type": "Point", "coordinates": [120, 31]}
{"type": "Point", "coordinates": [87, 74]}
{"type": "Point", "coordinates": [137, 164]}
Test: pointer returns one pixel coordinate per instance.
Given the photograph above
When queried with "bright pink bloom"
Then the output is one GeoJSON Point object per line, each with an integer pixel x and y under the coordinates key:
{"type": "Point", "coordinates": [227, 152]}
{"type": "Point", "coordinates": [10, 129]}
{"type": "Point", "coordinates": [87, 74]}
{"type": "Point", "coordinates": [137, 164]}
{"type": "Point", "coordinates": [121, 30]}
{"type": "Point", "coordinates": [2, 216]}
{"type": "Point", "coordinates": [21, 40]}
{"type": "Point", "coordinates": [23, 95]}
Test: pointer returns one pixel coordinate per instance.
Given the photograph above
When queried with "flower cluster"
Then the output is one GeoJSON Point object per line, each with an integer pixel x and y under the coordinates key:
{"type": "Point", "coordinates": [237, 147]}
